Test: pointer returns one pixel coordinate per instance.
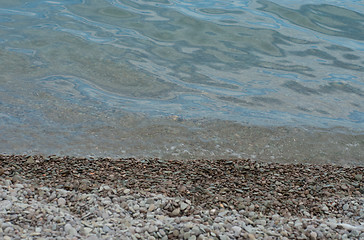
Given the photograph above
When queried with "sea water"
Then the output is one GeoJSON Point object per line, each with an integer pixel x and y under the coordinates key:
{"type": "Point", "coordinates": [266, 80]}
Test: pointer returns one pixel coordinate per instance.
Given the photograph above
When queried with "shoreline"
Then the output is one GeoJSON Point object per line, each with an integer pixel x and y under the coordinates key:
{"type": "Point", "coordinates": [259, 192]}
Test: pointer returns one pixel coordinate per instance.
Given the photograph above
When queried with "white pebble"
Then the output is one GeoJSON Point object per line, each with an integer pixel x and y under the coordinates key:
{"type": "Point", "coordinates": [61, 202]}
{"type": "Point", "coordinates": [70, 230]}
{"type": "Point", "coordinates": [237, 231]}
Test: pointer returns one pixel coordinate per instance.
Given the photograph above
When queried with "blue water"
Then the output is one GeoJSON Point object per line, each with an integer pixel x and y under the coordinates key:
{"type": "Point", "coordinates": [183, 79]}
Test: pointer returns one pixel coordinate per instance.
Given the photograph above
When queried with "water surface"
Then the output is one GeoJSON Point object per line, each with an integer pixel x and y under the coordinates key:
{"type": "Point", "coordinates": [271, 80]}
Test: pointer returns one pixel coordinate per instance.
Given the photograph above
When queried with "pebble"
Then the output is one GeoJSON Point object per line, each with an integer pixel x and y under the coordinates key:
{"type": "Point", "coordinates": [236, 230]}
{"type": "Point", "coordinates": [183, 206]}
{"type": "Point", "coordinates": [69, 230]}
{"type": "Point", "coordinates": [136, 216]}
{"type": "Point", "coordinates": [175, 212]}
{"type": "Point", "coordinates": [359, 177]}
{"type": "Point", "coordinates": [61, 202]}
{"type": "Point", "coordinates": [325, 208]}
{"type": "Point", "coordinates": [313, 235]}
{"type": "Point", "coordinates": [346, 207]}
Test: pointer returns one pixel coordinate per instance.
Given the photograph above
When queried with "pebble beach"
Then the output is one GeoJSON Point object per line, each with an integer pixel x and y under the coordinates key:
{"type": "Point", "coordinates": [50, 197]}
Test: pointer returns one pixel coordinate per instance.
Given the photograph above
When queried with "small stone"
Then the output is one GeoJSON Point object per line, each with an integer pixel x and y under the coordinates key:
{"type": "Point", "coordinates": [176, 212]}
{"type": "Point", "coordinates": [332, 225]}
{"type": "Point", "coordinates": [84, 184]}
{"type": "Point", "coordinates": [183, 206]}
{"type": "Point", "coordinates": [196, 230]}
{"type": "Point", "coordinates": [30, 160]}
{"type": "Point", "coordinates": [17, 178]}
{"type": "Point", "coordinates": [151, 207]}
{"type": "Point", "coordinates": [126, 191]}
{"type": "Point", "coordinates": [7, 238]}
{"type": "Point", "coordinates": [162, 232]}
{"type": "Point", "coordinates": [251, 207]}
{"type": "Point", "coordinates": [346, 207]}
{"type": "Point", "coordinates": [251, 236]}
{"type": "Point", "coordinates": [325, 208]}
{"type": "Point", "coordinates": [61, 202]}
{"type": "Point", "coordinates": [224, 237]}
{"type": "Point", "coordinates": [175, 233]}
{"type": "Point", "coordinates": [152, 229]}
{"type": "Point", "coordinates": [186, 235]}
{"type": "Point", "coordinates": [298, 224]}
{"type": "Point", "coordinates": [106, 229]}
{"type": "Point", "coordinates": [92, 237]}
{"type": "Point", "coordinates": [313, 235]}
{"type": "Point", "coordinates": [261, 222]}
{"type": "Point", "coordinates": [70, 230]}
{"type": "Point", "coordinates": [8, 229]}
{"type": "Point", "coordinates": [237, 231]}
{"type": "Point", "coordinates": [87, 230]}
{"type": "Point", "coordinates": [359, 177]}
{"type": "Point", "coordinates": [193, 237]}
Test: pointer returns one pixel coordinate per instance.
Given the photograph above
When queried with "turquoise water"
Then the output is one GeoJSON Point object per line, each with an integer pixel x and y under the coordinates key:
{"type": "Point", "coordinates": [271, 80]}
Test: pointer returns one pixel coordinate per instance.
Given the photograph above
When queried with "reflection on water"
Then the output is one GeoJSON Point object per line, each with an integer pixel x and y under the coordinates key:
{"type": "Point", "coordinates": [79, 75]}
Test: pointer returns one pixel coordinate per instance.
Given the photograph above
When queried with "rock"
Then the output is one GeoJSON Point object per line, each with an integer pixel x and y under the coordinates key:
{"type": "Point", "coordinates": [195, 230]}
{"type": "Point", "coordinates": [151, 207]}
{"type": "Point", "coordinates": [236, 230]}
{"type": "Point", "coordinates": [87, 230]}
{"type": "Point", "coordinates": [126, 191]}
{"type": "Point", "coordinates": [224, 237]}
{"type": "Point", "coordinates": [92, 237]}
{"type": "Point", "coordinates": [17, 178]}
{"type": "Point", "coordinates": [183, 206]}
{"type": "Point", "coordinates": [186, 235]}
{"type": "Point", "coordinates": [30, 160]}
{"type": "Point", "coordinates": [84, 184]}
{"type": "Point", "coordinates": [69, 230]}
{"type": "Point", "coordinates": [152, 229]}
{"type": "Point", "coordinates": [175, 212]}
{"type": "Point", "coordinates": [359, 177]}
{"type": "Point", "coordinates": [175, 233]}
{"type": "Point", "coordinates": [8, 230]}
{"type": "Point", "coordinates": [251, 236]}
{"type": "Point", "coordinates": [162, 232]}
{"type": "Point", "coordinates": [313, 235]}
{"type": "Point", "coordinates": [346, 207]}
{"type": "Point", "coordinates": [325, 208]}
{"type": "Point", "coordinates": [61, 202]}
{"type": "Point", "coordinates": [261, 222]}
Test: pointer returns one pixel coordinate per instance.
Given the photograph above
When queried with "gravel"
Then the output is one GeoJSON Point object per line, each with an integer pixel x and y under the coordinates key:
{"type": "Point", "coordinates": [38, 201]}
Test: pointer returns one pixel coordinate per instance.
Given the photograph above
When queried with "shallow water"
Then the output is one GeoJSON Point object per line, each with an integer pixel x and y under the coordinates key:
{"type": "Point", "coordinates": [270, 80]}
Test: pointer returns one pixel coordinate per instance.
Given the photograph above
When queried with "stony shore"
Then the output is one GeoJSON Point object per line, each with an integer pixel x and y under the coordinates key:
{"type": "Point", "coordinates": [84, 198]}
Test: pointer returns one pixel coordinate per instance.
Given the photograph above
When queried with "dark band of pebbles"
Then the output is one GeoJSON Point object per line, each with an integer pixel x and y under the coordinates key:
{"type": "Point", "coordinates": [250, 188]}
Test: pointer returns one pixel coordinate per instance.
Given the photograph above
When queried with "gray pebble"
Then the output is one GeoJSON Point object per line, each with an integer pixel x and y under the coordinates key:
{"type": "Point", "coordinates": [346, 207]}
{"type": "Point", "coordinates": [69, 230]}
